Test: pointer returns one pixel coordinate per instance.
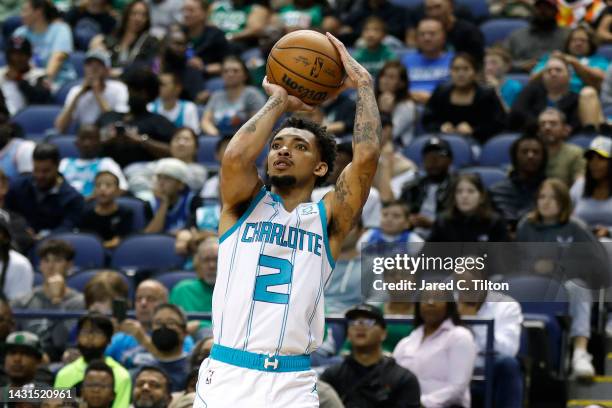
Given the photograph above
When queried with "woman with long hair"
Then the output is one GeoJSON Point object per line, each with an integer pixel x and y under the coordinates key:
{"type": "Point", "coordinates": [469, 216]}
{"type": "Point", "coordinates": [438, 342]}
{"type": "Point", "coordinates": [393, 97]}
{"type": "Point", "coordinates": [464, 106]}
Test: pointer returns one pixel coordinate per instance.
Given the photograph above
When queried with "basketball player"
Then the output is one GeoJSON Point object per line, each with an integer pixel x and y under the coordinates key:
{"type": "Point", "coordinates": [277, 249]}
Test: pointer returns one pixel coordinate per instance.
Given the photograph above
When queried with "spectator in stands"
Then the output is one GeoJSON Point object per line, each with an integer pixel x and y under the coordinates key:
{"type": "Point", "coordinates": [592, 195]}
{"type": "Point", "coordinates": [132, 43]}
{"type": "Point", "coordinates": [94, 334]}
{"type": "Point", "coordinates": [165, 14]}
{"type": "Point", "coordinates": [15, 153]}
{"type": "Point", "coordinates": [195, 295]}
{"type": "Point", "coordinates": [7, 324]}
{"type": "Point", "coordinates": [231, 107]}
{"type": "Point", "coordinates": [108, 219]}
{"type": "Point", "coordinates": [603, 25]}
{"type": "Point", "coordinates": [550, 222]}
{"type": "Point", "coordinates": [374, 54]}
{"type": "Point", "coordinates": [138, 135]}
{"type": "Point", "coordinates": [173, 58]}
{"type": "Point", "coordinates": [427, 195]}
{"type": "Point", "coordinates": [211, 186]}
{"type": "Point", "coordinates": [204, 223]}
{"type": "Point", "coordinates": [169, 331]}
{"type": "Point", "coordinates": [497, 64]}
{"type": "Point", "coordinates": [429, 65]}
{"type": "Point", "coordinates": [242, 21]}
{"type": "Point", "coordinates": [21, 83]}
{"type": "Point", "coordinates": [437, 343]}
{"type": "Point", "coordinates": [588, 69]}
{"type": "Point", "coordinates": [527, 45]}
{"type": "Point", "coordinates": [352, 22]}
{"type": "Point", "coordinates": [394, 229]}
{"type": "Point", "coordinates": [55, 263]}
{"type": "Point", "coordinates": [149, 294]}
{"type": "Point", "coordinates": [507, 316]}
{"type": "Point", "coordinates": [89, 19]}
{"type": "Point", "coordinates": [181, 113]}
{"type": "Point", "coordinates": [96, 95]}
{"type": "Point", "coordinates": [184, 147]}
{"type": "Point", "coordinates": [207, 43]}
{"type": "Point", "coordinates": [338, 114]}
{"type": "Point", "coordinates": [45, 198]}
{"type": "Point", "coordinates": [98, 385]}
{"type": "Point", "coordinates": [102, 289]}
{"type": "Point", "coordinates": [23, 363]}
{"type": "Point", "coordinates": [51, 40]}
{"type": "Point", "coordinates": [16, 274]}
{"type": "Point", "coordinates": [462, 35]}
{"type": "Point", "coordinates": [565, 160]}
{"type": "Point", "coordinates": [171, 200]}
{"type": "Point", "coordinates": [583, 111]}
{"type": "Point", "coordinates": [152, 388]}
{"type": "Point", "coordinates": [21, 239]}
{"type": "Point", "coordinates": [81, 172]}
{"type": "Point", "coordinates": [514, 196]}
{"type": "Point", "coordinates": [394, 98]}
{"type": "Point", "coordinates": [367, 377]}
{"type": "Point", "coordinates": [606, 87]}
{"type": "Point", "coordinates": [463, 106]}
{"type": "Point", "coordinates": [469, 217]}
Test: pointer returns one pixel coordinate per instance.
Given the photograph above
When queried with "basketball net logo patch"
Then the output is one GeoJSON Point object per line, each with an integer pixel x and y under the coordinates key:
{"type": "Point", "coordinates": [316, 67]}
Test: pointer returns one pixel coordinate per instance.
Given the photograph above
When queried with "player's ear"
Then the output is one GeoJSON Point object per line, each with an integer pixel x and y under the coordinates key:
{"type": "Point", "coordinates": [321, 169]}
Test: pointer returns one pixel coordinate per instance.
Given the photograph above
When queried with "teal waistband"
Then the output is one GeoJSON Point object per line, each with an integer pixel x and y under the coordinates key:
{"type": "Point", "coordinates": [261, 362]}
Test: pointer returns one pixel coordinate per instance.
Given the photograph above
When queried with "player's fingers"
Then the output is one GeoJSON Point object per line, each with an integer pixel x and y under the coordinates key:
{"type": "Point", "coordinates": [338, 44]}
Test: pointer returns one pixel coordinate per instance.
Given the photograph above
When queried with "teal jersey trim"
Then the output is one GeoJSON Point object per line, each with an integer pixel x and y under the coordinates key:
{"type": "Point", "coordinates": [262, 362]}
{"type": "Point", "coordinates": [246, 214]}
{"type": "Point", "coordinates": [323, 215]}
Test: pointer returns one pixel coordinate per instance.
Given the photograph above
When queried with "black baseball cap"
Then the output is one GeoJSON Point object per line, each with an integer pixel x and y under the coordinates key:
{"type": "Point", "coordinates": [367, 311]}
{"type": "Point", "coordinates": [439, 145]}
{"type": "Point", "coordinates": [20, 44]}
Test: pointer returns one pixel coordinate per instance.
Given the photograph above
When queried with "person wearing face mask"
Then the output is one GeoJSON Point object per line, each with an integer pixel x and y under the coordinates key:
{"type": "Point", "coordinates": [137, 135]}
{"type": "Point", "coordinates": [94, 334]}
{"type": "Point", "coordinates": [164, 349]}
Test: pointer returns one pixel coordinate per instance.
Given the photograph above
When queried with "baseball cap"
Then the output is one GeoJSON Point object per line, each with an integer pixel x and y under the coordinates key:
{"type": "Point", "coordinates": [174, 168]}
{"type": "Point", "coordinates": [99, 55]}
{"type": "Point", "coordinates": [437, 144]}
{"type": "Point", "coordinates": [25, 340]}
{"type": "Point", "coordinates": [601, 145]}
{"type": "Point", "coordinates": [366, 310]}
{"type": "Point", "coordinates": [552, 3]}
{"type": "Point", "coordinates": [20, 44]}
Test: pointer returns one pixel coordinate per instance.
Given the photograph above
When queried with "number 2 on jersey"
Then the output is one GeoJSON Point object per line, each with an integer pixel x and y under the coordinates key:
{"type": "Point", "coordinates": [283, 277]}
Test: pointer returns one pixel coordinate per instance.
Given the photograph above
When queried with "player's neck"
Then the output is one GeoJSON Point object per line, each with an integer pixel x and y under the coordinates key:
{"type": "Point", "coordinates": [368, 355]}
{"type": "Point", "coordinates": [292, 196]}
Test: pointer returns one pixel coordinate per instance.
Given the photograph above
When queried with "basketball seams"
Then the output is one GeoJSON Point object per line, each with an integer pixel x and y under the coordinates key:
{"type": "Point", "coordinates": [332, 59]}
{"type": "Point", "coordinates": [302, 76]}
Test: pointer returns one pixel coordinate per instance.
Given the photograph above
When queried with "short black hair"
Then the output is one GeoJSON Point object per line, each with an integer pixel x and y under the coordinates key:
{"type": "Point", "coordinates": [142, 78]}
{"type": "Point", "coordinates": [325, 142]}
{"type": "Point", "coordinates": [46, 151]}
{"type": "Point", "coordinates": [57, 247]}
{"type": "Point", "coordinates": [99, 321]}
{"type": "Point", "coordinates": [158, 370]}
{"type": "Point", "coordinates": [107, 173]}
{"type": "Point", "coordinates": [528, 137]}
{"type": "Point", "coordinates": [176, 309]}
{"type": "Point", "coordinates": [99, 365]}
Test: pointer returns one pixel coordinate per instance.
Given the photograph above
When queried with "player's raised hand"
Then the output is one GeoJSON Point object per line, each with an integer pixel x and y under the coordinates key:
{"type": "Point", "coordinates": [293, 103]}
{"type": "Point", "coordinates": [357, 74]}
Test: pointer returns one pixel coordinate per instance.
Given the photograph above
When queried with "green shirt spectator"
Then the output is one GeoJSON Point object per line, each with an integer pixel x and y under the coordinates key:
{"type": "Point", "coordinates": [373, 60]}
{"type": "Point", "coordinates": [307, 17]}
{"type": "Point", "coordinates": [228, 18]}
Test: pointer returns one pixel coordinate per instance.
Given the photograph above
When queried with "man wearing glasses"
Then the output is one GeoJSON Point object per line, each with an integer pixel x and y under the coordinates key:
{"type": "Point", "coordinates": [367, 377]}
{"type": "Point", "coordinates": [98, 385]}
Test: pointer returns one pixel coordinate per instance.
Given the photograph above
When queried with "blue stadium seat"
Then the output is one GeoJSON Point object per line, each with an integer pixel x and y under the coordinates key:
{"type": "Point", "coordinates": [88, 248]}
{"type": "Point", "coordinates": [462, 151]}
{"type": "Point", "coordinates": [583, 141]}
{"type": "Point", "coordinates": [498, 29]}
{"type": "Point", "coordinates": [407, 3]}
{"type": "Point", "coordinates": [496, 151]}
{"type": "Point", "coordinates": [214, 84]}
{"type": "Point", "coordinates": [147, 251]}
{"type": "Point", "coordinates": [77, 59]}
{"type": "Point", "coordinates": [37, 119]}
{"type": "Point", "coordinates": [605, 51]}
{"type": "Point", "coordinates": [79, 280]}
{"type": "Point", "coordinates": [137, 206]}
{"type": "Point", "coordinates": [38, 279]}
{"type": "Point", "coordinates": [66, 146]}
{"type": "Point", "coordinates": [60, 96]}
{"type": "Point", "coordinates": [478, 8]}
{"type": "Point", "coordinates": [522, 78]}
{"type": "Point", "coordinates": [206, 151]}
{"type": "Point", "coordinates": [2, 60]}
{"type": "Point", "coordinates": [608, 112]}
{"type": "Point", "coordinates": [488, 175]}
{"type": "Point", "coordinates": [170, 279]}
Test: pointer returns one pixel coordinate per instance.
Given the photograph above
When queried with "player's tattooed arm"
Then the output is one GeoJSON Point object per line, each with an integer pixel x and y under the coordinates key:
{"type": "Point", "coordinates": [353, 186]}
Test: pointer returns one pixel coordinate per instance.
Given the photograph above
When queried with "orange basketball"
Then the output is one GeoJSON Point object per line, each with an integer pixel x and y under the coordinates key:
{"type": "Point", "coordinates": [307, 65]}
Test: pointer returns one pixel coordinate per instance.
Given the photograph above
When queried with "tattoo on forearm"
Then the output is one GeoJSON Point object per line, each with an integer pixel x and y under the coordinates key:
{"type": "Point", "coordinates": [251, 125]}
{"type": "Point", "coordinates": [367, 128]}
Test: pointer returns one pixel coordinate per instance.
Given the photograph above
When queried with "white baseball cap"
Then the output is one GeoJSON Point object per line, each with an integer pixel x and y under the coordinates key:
{"type": "Point", "coordinates": [174, 168]}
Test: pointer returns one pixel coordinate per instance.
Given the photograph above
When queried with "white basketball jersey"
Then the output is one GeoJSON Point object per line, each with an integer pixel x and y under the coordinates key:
{"type": "Point", "coordinates": [272, 268]}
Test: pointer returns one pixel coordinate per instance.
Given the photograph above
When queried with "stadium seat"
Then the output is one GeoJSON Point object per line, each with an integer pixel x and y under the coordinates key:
{"type": "Point", "coordinates": [147, 251]}
{"type": "Point", "coordinates": [478, 8]}
{"type": "Point", "coordinates": [89, 252]}
{"type": "Point", "coordinates": [488, 175]}
{"type": "Point", "coordinates": [214, 84]}
{"type": "Point", "coordinates": [170, 279]}
{"type": "Point", "coordinates": [137, 206]}
{"type": "Point", "coordinates": [206, 151]}
{"type": "Point", "coordinates": [78, 62]}
{"type": "Point", "coordinates": [583, 141]}
{"type": "Point", "coordinates": [605, 51]}
{"type": "Point", "coordinates": [462, 151]}
{"type": "Point", "coordinates": [62, 93]}
{"type": "Point", "coordinates": [79, 280]}
{"type": "Point", "coordinates": [2, 60]}
{"type": "Point", "coordinates": [522, 78]}
{"type": "Point", "coordinates": [498, 29]}
{"type": "Point", "coordinates": [66, 146]}
{"type": "Point", "coordinates": [37, 119]}
{"type": "Point", "coordinates": [407, 3]}
{"type": "Point", "coordinates": [496, 151]}
{"type": "Point", "coordinates": [38, 279]}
